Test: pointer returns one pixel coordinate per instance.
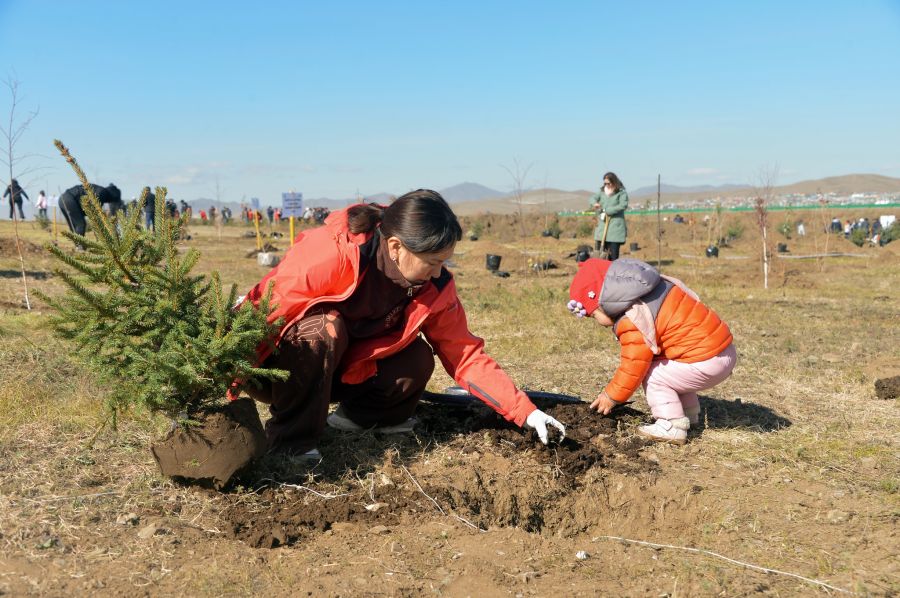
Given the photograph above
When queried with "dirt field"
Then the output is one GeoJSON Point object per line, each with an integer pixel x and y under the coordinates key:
{"type": "Point", "coordinates": [791, 485]}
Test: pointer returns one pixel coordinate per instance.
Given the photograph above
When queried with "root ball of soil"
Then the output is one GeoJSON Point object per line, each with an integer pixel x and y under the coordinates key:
{"type": "Point", "coordinates": [209, 454]}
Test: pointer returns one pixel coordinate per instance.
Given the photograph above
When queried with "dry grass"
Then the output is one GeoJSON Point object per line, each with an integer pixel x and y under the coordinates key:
{"type": "Point", "coordinates": [800, 474]}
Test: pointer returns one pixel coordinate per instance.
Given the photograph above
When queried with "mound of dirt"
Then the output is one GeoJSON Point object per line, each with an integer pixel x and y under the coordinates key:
{"type": "Point", "coordinates": [225, 442]}
{"type": "Point", "coordinates": [888, 388]}
{"type": "Point", "coordinates": [8, 247]}
{"type": "Point", "coordinates": [482, 470]}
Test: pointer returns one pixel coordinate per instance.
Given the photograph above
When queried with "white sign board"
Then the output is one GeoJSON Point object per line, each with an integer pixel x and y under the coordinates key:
{"type": "Point", "coordinates": [52, 201]}
{"type": "Point", "coordinates": [254, 203]}
{"type": "Point", "coordinates": [291, 205]}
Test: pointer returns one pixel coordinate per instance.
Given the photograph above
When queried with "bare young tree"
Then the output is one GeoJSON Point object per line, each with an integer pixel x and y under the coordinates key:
{"type": "Point", "coordinates": [519, 173]}
{"type": "Point", "coordinates": [12, 131]}
{"type": "Point", "coordinates": [765, 192]}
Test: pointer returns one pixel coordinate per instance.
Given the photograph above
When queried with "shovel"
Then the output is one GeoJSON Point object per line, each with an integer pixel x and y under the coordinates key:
{"type": "Point", "coordinates": [457, 396]}
{"type": "Point", "coordinates": [604, 252]}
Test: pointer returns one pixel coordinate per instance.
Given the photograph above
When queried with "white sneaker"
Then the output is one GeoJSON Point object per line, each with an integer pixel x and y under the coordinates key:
{"type": "Point", "coordinates": [693, 415]}
{"type": "Point", "coordinates": [339, 421]}
{"type": "Point", "coordinates": [310, 455]}
{"type": "Point", "coordinates": [664, 430]}
{"type": "Point", "coordinates": [301, 459]}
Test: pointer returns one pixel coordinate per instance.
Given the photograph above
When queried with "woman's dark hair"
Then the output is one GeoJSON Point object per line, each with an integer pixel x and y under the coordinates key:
{"type": "Point", "coordinates": [421, 219]}
{"type": "Point", "coordinates": [611, 176]}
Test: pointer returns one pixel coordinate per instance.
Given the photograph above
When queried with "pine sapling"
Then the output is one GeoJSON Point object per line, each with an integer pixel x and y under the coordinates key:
{"type": "Point", "coordinates": [166, 339]}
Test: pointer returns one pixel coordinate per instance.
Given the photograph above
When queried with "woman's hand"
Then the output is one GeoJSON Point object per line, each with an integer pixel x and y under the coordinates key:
{"type": "Point", "coordinates": [540, 420]}
{"type": "Point", "coordinates": [603, 404]}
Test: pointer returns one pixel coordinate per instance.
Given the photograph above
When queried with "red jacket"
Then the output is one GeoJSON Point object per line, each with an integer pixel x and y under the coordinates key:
{"type": "Point", "coordinates": [323, 265]}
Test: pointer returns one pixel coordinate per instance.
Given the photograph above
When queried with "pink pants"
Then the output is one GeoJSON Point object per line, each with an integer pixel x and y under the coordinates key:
{"type": "Point", "coordinates": [671, 386]}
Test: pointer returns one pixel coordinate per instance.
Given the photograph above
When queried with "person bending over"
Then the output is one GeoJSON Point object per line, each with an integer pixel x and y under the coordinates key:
{"type": "Point", "coordinates": [671, 343]}
{"type": "Point", "coordinates": [367, 302]}
{"type": "Point", "coordinates": [70, 204]}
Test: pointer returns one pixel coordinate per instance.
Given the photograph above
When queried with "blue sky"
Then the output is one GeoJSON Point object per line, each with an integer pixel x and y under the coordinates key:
{"type": "Point", "coordinates": [329, 98]}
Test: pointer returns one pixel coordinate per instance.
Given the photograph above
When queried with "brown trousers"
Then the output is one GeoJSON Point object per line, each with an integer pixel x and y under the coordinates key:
{"type": "Point", "coordinates": [311, 350]}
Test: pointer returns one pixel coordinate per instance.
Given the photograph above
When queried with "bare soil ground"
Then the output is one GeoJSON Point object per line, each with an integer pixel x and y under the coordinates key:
{"type": "Point", "coordinates": [791, 485]}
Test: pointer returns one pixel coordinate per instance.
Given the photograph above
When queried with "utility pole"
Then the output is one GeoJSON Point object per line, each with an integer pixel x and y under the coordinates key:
{"type": "Point", "coordinates": [658, 224]}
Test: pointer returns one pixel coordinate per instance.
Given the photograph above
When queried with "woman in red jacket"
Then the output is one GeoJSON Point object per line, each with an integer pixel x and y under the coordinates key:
{"type": "Point", "coordinates": [355, 295]}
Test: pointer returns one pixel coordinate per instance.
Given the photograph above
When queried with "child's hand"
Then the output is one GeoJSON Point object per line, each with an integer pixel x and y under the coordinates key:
{"type": "Point", "coordinates": [603, 404]}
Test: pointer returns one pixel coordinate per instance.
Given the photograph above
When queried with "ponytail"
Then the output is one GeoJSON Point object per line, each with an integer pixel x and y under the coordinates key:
{"type": "Point", "coordinates": [363, 218]}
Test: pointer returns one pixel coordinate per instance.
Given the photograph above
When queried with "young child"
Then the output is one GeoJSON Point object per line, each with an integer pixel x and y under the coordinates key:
{"type": "Point", "coordinates": [672, 344]}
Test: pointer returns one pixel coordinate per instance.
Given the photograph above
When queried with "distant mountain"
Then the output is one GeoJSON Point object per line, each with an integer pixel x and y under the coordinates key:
{"type": "Point", "coordinates": [550, 200]}
{"type": "Point", "coordinates": [844, 185]}
{"type": "Point", "coordinates": [470, 192]}
{"type": "Point", "coordinates": [380, 198]}
{"type": "Point", "coordinates": [472, 198]}
{"type": "Point", "coordinates": [531, 201]}
{"type": "Point", "coordinates": [651, 190]}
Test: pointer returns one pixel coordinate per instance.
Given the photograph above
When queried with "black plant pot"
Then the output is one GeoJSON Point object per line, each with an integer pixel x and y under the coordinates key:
{"type": "Point", "coordinates": [712, 251]}
{"type": "Point", "coordinates": [492, 262]}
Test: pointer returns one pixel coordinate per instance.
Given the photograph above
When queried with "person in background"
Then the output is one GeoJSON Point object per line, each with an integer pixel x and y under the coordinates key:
{"type": "Point", "coordinates": [366, 302]}
{"type": "Point", "coordinates": [270, 214]}
{"type": "Point", "coordinates": [671, 343]}
{"type": "Point", "coordinates": [110, 198]}
{"type": "Point", "coordinates": [41, 205]}
{"type": "Point", "coordinates": [149, 209]}
{"type": "Point", "coordinates": [172, 208]}
{"type": "Point", "coordinates": [801, 229]}
{"type": "Point", "coordinates": [611, 202]}
{"type": "Point", "coordinates": [15, 194]}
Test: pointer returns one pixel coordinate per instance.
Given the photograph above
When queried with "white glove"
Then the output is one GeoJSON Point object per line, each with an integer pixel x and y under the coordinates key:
{"type": "Point", "coordinates": [602, 216]}
{"type": "Point", "coordinates": [538, 420]}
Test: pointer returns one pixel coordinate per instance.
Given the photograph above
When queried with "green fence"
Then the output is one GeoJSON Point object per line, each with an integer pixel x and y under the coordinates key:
{"type": "Point", "coordinates": [771, 208]}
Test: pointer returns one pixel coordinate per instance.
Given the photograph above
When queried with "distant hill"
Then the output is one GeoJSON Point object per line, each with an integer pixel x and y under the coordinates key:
{"type": "Point", "coordinates": [651, 190]}
{"type": "Point", "coordinates": [844, 185]}
{"type": "Point", "coordinates": [381, 198]}
{"type": "Point", "coordinates": [472, 198]}
{"type": "Point", "coordinates": [469, 192]}
{"type": "Point", "coordinates": [535, 200]}
{"type": "Point", "coordinates": [547, 200]}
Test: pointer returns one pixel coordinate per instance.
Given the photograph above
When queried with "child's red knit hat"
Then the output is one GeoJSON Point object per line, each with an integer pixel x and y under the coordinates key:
{"type": "Point", "coordinates": [585, 289]}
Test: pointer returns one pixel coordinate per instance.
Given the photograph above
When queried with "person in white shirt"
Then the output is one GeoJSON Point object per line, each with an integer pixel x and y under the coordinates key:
{"type": "Point", "coordinates": [41, 205]}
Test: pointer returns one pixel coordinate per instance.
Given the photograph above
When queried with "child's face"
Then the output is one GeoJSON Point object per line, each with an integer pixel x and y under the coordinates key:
{"type": "Point", "coordinates": [601, 317]}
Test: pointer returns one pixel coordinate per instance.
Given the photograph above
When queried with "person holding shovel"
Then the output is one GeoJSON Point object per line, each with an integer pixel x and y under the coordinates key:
{"type": "Point", "coordinates": [365, 302]}
{"type": "Point", "coordinates": [610, 205]}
